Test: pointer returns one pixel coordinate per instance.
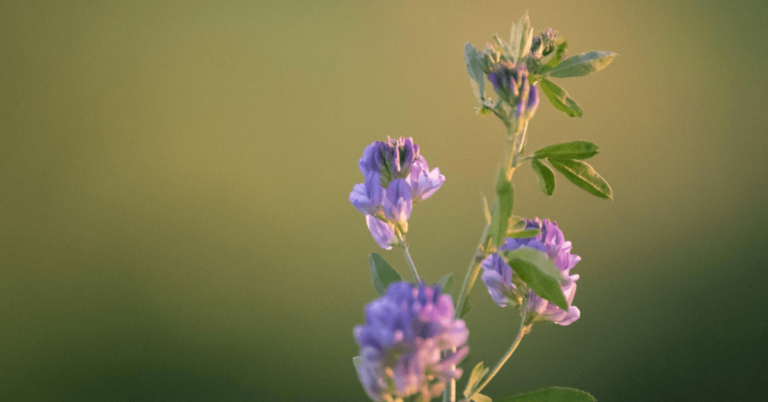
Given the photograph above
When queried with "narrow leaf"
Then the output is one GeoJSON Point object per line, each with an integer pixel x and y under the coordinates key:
{"type": "Point", "coordinates": [500, 219]}
{"type": "Point", "coordinates": [540, 273]}
{"type": "Point", "coordinates": [554, 394]}
{"type": "Point", "coordinates": [475, 377]}
{"type": "Point", "coordinates": [382, 273]}
{"type": "Point", "coordinates": [545, 176]}
{"type": "Point", "coordinates": [480, 398]}
{"type": "Point", "coordinates": [524, 37]}
{"type": "Point", "coordinates": [446, 283]}
{"type": "Point", "coordinates": [516, 224]}
{"type": "Point", "coordinates": [486, 210]}
{"type": "Point", "coordinates": [466, 308]}
{"type": "Point", "coordinates": [560, 99]}
{"type": "Point", "coordinates": [582, 64]}
{"type": "Point", "coordinates": [474, 62]}
{"type": "Point", "coordinates": [584, 176]}
{"type": "Point", "coordinates": [514, 41]}
{"type": "Point", "coordinates": [568, 150]}
{"type": "Point", "coordinates": [524, 234]}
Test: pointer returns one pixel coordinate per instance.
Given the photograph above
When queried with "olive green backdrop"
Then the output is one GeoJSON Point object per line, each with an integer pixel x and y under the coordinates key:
{"type": "Point", "coordinates": [174, 223]}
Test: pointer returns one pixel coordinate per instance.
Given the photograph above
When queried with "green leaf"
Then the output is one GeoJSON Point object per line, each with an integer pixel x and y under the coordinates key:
{"type": "Point", "coordinates": [446, 283]}
{"type": "Point", "coordinates": [539, 272]}
{"type": "Point", "coordinates": [486, 210]}
{"type": "Point", "coordinates": [568, 150]}
{"type": "Point", "coordinates": [478, 373]}
{"type": "Point", "coordinates": [466, 308]}
{"type": "Point", "coordinates": [582, 64]}
{"type": "Point", "coordinates": [523, 38]}
{"type": "Point", "coordinates": [356, 361]}
{"type": "Point", "coordinates": [382, 273]}
{"type": "Point", "coordinates": [517, 229]}
{"type": "Point", "coordinates": [516, 224]}
{"type": "Point", "coordinates": [583, 175]}
{"type": "Point", "coordinates": [545, 175]}
{"type": "Point", "coordinates": [560, 99]}
{"type": "Point", "coordinates": [500, 218]}
{"type": "Point", "coordinates": [524, 234]}
{"type": "Point", "coordinates": [557, 57]}
{"type": "Point", "coordinates": [554, 394]}
{"type": "Point", "coordinates": [480, 398]}
{"type": "Point", "coordinates": [474, 62]}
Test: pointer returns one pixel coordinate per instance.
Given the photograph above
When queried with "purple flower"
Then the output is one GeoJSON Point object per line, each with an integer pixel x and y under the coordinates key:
{"type": "Point", "coordinates": [382, 232]}
{"type": "Point", "coordinates": [397, 202]}
{"type": "Point", "coordinates": [542, 310]}
{"type": "Point", "coordinates": [424, 182]}
{"type": "Point", "coordinates": [401, 341]}
{"type": "Point", "coordinates": [396, 177]}
{"type": "Point", "coordinates": [367, 197]}
{"type": "Point", "coordinates": [497, 275]}
{"type": "Point", "coordinates": [391, 159]}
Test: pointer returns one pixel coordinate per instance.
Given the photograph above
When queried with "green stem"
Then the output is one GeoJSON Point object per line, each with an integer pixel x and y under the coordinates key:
{"type": "Point", "coordinates": [474, 266]}
{"type": "Point", "coordinates": [523, 330]}
{"type": "Point", "coordinates": [408, 258]}
{"type": "Point", "coordinates": [514, 147]}
{"type": "Point", "coordinates": [519, 140]}
{"type": "Point", "coordinates": [473, 270]}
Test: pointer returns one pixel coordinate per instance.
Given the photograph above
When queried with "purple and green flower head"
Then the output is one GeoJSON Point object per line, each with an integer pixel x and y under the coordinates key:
{"type": "Point", "coordinates": [402, 339]}
{"type": "Point", "coordinates": [396, 177]}
{"type": "Point", "coordinates": [512, 84]}
{"type": "Point", "coordinates": [502, 283]}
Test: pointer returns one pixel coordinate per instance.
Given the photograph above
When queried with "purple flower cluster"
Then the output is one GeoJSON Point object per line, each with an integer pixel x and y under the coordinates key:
{"type": "Point", "coordinates": [498, 275]}
{"type": "Point", "coordinates": [512, 85]}
{"type": "Point", "coordinates": [401, 341]}
{"type": "Point", "coordinates": [396, 177]}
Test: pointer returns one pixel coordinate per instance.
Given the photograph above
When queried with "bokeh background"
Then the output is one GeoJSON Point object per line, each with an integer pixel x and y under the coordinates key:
{"type": "Point", "coordinates": [174, 223]}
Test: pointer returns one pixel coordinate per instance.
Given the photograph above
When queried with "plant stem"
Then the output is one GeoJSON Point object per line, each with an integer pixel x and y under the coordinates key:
{"type": "Point", "coordinates": [408, 258]}
{"type": "Point", "coordinates": [523, 330]}
{"type": "Point", "coordinates": [516, 140]}
{"type": "Point", "coordinates": [519, 139]}
{"type": "Point", "coordinates": [473, 270]}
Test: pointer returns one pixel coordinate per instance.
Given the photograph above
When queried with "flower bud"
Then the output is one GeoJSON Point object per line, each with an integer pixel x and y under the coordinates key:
{"type": "Point", "coordinates": [513, 86]}
{"type": "Point", "coordinates": [391, 159]}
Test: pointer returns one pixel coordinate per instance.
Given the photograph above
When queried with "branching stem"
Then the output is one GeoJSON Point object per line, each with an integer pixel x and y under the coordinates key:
{"type": "Point", "coordinates": [524, 329]}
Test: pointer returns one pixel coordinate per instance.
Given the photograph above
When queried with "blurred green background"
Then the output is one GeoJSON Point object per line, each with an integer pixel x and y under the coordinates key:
{"type": "Point", "coordinates": [174, 223]}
